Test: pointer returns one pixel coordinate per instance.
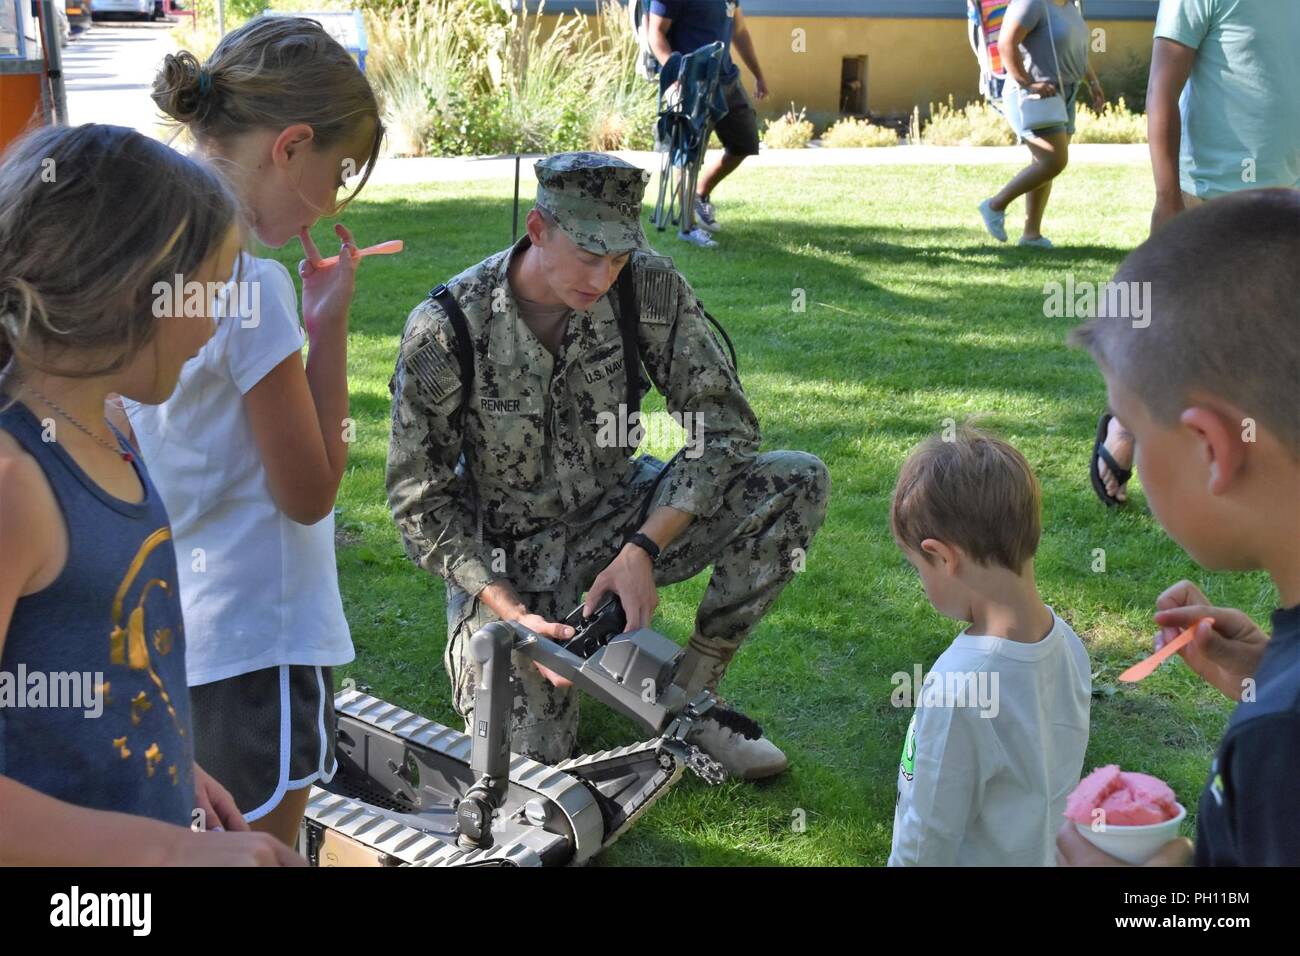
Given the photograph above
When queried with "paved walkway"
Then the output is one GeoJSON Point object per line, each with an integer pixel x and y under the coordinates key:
{"type": "Point", "coordinates": [412, 171]}
{"type": "Point", "coordinates": [110, 70]}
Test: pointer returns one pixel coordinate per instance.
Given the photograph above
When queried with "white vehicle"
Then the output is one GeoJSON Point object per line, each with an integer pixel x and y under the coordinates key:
{"type": "Point", "coordinates": [141, 9]}
{"type": "Point", "coordinates": [65, 28]}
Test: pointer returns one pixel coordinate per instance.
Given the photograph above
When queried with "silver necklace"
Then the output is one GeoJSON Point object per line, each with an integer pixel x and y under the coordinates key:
{"type": "Point", "coordinates": [125, 455]}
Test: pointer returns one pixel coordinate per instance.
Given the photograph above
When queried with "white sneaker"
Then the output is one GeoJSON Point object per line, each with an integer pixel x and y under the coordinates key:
{"type": "Point", "coordinates": [705, 215]}
{"type": "Point", "coordinates": [698, 237]}
{"type": "Point", "coordinates": [742, 757]}
{"type": "Point", "coordinates": [995, 222]}
{"type": "Point", "coordinates": [1042, 242]}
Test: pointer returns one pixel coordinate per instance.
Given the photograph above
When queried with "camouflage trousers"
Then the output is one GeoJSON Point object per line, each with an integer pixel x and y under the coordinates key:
{"type": "Point", "coordinates": [755, 541]}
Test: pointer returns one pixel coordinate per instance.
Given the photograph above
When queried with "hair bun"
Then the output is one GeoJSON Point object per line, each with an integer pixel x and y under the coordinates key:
{"type": "Point", "coordinates": [178, 87]}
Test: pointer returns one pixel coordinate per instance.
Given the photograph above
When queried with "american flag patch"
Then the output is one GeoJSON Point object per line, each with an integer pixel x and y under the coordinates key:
{"type": "Point", "coordinates": [656, 295]}
{"type": "Point", "coordinates": [430, 366]}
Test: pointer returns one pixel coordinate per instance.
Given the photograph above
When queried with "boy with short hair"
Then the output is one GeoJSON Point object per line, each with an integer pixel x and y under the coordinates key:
{"type": "Point", "coordinates": [1001, 724]}
{"type": "Point", "coordinates": [1208, 388]}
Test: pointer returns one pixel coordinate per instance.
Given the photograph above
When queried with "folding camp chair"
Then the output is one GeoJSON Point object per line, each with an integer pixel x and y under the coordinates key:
{"type": "Point", "coordinates": [688, 111]}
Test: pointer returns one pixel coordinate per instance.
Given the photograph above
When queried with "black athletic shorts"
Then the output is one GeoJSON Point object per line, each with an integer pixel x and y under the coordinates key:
{"type": "Point", "coordinates": [738, 130]}
{"type": "Point", "coordinates": [265, 733]}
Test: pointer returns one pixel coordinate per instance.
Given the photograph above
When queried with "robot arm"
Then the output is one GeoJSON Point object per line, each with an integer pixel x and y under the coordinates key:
{"type": "Point", "coordinates": [633, 673]}
{"type": "Point", "coordinates": [490, 749]}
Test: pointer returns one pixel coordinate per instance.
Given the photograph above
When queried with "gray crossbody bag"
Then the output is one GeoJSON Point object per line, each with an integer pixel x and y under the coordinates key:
{"type": "Point", "coordinates": [1038, 112]}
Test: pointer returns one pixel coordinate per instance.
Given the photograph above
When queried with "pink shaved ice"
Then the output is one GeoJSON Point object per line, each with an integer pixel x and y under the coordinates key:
{"type": "Point", "coordinates": [1127, 799]}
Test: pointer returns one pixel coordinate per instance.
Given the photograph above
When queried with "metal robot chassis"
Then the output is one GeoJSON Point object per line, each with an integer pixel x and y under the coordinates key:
{"type": "Point", "coordinates": [412, 792]}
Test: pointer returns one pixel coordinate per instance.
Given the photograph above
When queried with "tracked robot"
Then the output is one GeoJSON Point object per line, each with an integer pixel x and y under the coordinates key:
{"type": "Point", "coordinates": [411, 792]}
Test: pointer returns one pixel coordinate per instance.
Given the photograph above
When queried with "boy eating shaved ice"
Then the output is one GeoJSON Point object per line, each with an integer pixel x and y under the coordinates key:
{"type": "Point", "coordinates": [1209, 390]}
{"type": "Point", "coordinates": [998, 737]}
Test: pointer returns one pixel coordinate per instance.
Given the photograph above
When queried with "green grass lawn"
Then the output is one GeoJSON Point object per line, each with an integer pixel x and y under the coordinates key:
{"type": "Point", "coordinates": [913, 316]}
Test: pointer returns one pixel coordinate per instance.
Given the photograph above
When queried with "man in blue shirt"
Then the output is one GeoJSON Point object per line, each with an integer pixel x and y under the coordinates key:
{"type": "Point", "coordinates": [683, 26]}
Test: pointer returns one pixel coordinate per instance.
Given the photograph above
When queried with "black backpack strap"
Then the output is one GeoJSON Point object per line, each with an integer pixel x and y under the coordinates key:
{"type": "Point", "coordinates": [629, 317]}
{"type": "Point", "coordinates": [463, 343]}
{"type": "Point", "coordinates": [735, 366]}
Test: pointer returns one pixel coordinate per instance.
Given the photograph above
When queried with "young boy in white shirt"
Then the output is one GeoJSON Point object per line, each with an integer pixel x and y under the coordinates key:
{"type": "Point", "coordinates": [998, 737]}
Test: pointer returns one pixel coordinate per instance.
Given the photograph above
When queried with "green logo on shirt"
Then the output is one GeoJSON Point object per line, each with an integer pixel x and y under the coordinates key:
{"type": "Point", "coordinates": [908, 763]}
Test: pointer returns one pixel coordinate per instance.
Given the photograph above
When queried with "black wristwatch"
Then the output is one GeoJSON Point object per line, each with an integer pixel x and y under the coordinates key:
{"type": "Point", "coordinates": [645, 543]}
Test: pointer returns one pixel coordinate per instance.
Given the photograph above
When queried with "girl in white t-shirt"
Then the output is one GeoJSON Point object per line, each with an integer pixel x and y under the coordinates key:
{"type": "Point", "coordinates": [249, 452]}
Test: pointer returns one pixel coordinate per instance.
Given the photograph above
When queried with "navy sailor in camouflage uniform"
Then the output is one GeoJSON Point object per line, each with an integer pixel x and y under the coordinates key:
{"type": "Point", "coordinates": [546, 499]}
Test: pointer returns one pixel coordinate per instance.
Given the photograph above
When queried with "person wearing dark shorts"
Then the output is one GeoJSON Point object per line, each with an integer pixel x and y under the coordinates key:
{"type": "Point", "coordinates": [267, 732]}
{"type": "Point", "coordinates": [683, 26]}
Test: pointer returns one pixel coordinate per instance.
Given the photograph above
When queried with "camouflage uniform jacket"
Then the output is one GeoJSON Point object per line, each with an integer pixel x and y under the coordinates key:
{"type": "Point", "coordinates": [533, 469]}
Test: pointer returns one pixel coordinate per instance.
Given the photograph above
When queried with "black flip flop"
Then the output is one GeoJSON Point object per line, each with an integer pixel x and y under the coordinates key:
{"type": "Point", "coordinates": [1099, 453]}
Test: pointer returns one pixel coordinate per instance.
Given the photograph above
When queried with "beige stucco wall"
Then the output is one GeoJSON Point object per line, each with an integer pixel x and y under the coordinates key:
{"type": "Point", "coordinates": [909, 62]}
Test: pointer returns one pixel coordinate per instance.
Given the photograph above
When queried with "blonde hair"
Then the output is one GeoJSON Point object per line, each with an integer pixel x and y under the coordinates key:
{"type": "Point", "coordinates": [271, 73]}
{"type": "Point", "coordinates": [91, 217]}
{"type": "Point", "coordinates": [975, 491]}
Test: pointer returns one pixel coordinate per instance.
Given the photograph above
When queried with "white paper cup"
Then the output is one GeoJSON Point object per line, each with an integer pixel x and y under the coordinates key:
{"type": "Point", "coordinates": [1133, 844]}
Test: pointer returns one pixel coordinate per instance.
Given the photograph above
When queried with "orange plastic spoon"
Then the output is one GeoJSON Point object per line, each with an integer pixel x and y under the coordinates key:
{"type": "Point", "coordinates": [381, 249]}
{"type": "Point", "coordinates": [1146, 667]}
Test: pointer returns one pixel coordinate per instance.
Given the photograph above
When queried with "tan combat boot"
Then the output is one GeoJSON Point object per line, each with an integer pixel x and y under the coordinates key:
{"type": "Point", "coordinates": [740, 756]}
{"type": "Point", "coordinates": [702, 669]}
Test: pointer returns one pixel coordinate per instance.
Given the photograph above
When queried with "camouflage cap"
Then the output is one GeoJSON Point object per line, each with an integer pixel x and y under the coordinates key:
{"type": "Point", "coordinates": [595, 199]}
